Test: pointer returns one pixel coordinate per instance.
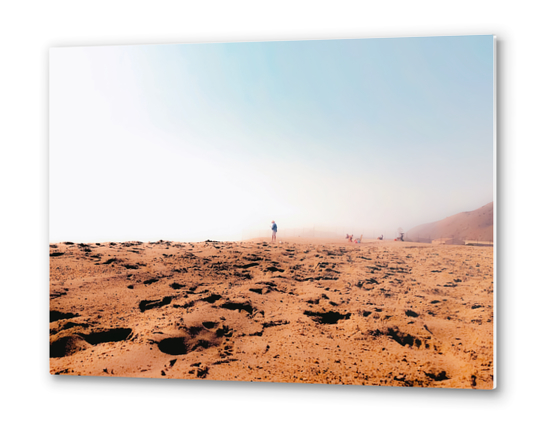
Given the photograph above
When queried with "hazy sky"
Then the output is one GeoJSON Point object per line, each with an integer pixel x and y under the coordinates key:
{"type": "Point", "coordinates": [196, 141]}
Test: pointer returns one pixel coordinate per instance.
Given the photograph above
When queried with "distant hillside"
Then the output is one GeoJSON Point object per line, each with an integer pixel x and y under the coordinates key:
{"type": "Point", "coordinates": [474, 225]}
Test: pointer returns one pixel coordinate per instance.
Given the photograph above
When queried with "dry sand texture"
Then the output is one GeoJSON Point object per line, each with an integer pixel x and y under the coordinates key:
{"type": "Point", "coordinates": [379, 313]}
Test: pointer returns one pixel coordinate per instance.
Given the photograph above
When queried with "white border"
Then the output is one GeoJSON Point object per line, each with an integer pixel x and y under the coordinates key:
{"type": "Point", "coordinates": [30, 28]}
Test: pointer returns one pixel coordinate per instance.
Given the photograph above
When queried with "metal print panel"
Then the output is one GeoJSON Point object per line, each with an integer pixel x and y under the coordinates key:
{"type": "Point", "coordinates": [301, 211]}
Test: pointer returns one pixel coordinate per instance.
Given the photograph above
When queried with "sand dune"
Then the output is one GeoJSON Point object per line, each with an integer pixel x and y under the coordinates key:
{"type": "Point", "coordinates": [307, 311]}
{"type": "Point", "coordinates": [474, 225]}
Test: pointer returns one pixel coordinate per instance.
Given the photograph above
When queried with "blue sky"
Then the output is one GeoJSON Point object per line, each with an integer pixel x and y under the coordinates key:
{"type": "Point", "coordinates": [197, 141]}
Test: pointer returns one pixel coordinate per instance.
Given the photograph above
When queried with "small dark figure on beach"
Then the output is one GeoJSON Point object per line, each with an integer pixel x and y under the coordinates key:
{"type": "Point", "coordinates": [381, 237]}
{"type": "Point", "coordinates": [274, 231]}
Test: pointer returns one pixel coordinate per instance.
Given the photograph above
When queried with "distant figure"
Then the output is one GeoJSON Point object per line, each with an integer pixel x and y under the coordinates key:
{"type": "Point", "coordinates": [381, 237]}
{"type": "Point", "coordinates": [274, 231]}
{"type": "Point", "coordinates": [349, 237]}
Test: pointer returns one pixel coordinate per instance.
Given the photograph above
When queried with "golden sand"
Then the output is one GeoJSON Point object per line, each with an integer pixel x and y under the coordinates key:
{"type": "Point", "coordinates": [306, 311]}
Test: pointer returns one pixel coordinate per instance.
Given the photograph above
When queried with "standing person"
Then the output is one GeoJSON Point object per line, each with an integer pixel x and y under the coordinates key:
{"type": "Point", "coordinates": [274, 231]}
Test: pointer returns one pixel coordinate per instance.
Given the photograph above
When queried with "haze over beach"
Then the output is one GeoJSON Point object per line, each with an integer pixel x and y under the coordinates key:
{"type": "Point", "coordinates": [213, 141]}
{"type": "Point", "coordinates": [168, 164]}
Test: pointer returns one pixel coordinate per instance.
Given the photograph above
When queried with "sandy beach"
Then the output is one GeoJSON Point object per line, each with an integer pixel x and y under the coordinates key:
{"type": "Point", "coordinates": [302, 310]}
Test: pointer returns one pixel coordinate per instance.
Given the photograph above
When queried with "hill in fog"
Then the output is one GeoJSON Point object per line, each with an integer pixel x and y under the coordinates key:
{"type": "Point", "coordinates": [473, 225]}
